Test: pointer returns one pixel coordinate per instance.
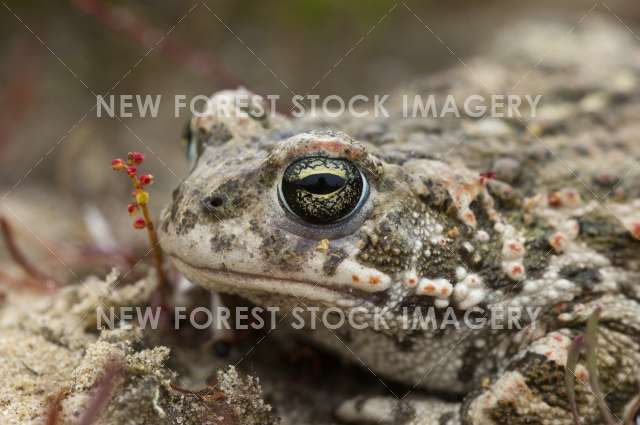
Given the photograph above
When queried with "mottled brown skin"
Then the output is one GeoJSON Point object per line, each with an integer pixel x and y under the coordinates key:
{"type": "Point", "coordinates": [555, 229]}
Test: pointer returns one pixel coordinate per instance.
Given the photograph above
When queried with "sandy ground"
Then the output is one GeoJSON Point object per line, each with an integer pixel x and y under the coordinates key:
{"type": "Point", "coordinates": [51, 349]}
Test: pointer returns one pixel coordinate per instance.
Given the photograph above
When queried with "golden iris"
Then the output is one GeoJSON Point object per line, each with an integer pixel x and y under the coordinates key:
{"type": "Point", "coordinates": [322, 190]}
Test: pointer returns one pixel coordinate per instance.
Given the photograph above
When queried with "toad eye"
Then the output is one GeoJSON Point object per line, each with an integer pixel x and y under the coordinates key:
{"type": "Point", "coordinates": [322, 190]}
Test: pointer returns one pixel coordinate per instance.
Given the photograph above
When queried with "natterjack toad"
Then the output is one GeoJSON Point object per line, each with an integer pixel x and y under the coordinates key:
{"type": "Point", "coordinates": [458, 215]}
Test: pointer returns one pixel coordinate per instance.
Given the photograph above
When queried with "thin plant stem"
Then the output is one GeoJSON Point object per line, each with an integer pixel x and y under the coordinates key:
{"type": "Point", "coordinates": [157, 251]}
{"type": "Point", "coordinates": [19, 258]}
{"type": "Point", "coordinates": [591, 340]}
{"type": "Point", "coordinates": [102, 394]}
{"type": "Point", "coordinates": [570, 376]}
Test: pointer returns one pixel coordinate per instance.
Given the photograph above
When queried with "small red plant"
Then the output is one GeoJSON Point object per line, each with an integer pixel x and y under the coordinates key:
{"type": "Point", "coordinates": [140, 209]}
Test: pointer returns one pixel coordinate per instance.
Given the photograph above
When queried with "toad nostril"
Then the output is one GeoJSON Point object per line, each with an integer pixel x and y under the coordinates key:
{"type": "Point", "coordinates": [216, 201]}
{"type": "Point", "coordinates": [213, 201]}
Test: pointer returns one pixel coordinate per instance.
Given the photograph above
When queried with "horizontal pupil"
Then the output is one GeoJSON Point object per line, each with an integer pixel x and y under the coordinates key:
{"type": "Point", "coordinates": [321, 183]}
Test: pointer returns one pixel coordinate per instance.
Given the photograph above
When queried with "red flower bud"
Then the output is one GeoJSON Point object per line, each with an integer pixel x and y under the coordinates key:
{"type": "Point", "coordinates": [117, 164]}
{"type": "Point", "coordinates": [146, 179]}
{"type": "Point", "coordinates": [139, 223]}
{"type": "Point", "coordinates": [131, 171]}
{"type": "Point", "coordinates": [135, 157]}
{"type": "Point", "coordinates": [132, 208]}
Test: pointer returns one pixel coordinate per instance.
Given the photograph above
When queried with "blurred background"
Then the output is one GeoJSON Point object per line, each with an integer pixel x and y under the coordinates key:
{"type": "Point", "coordinates": [56, 56]}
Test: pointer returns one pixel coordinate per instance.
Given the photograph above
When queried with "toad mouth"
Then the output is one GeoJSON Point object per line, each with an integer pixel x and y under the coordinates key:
{"type": "Point", "coordinates": [227, 280]}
